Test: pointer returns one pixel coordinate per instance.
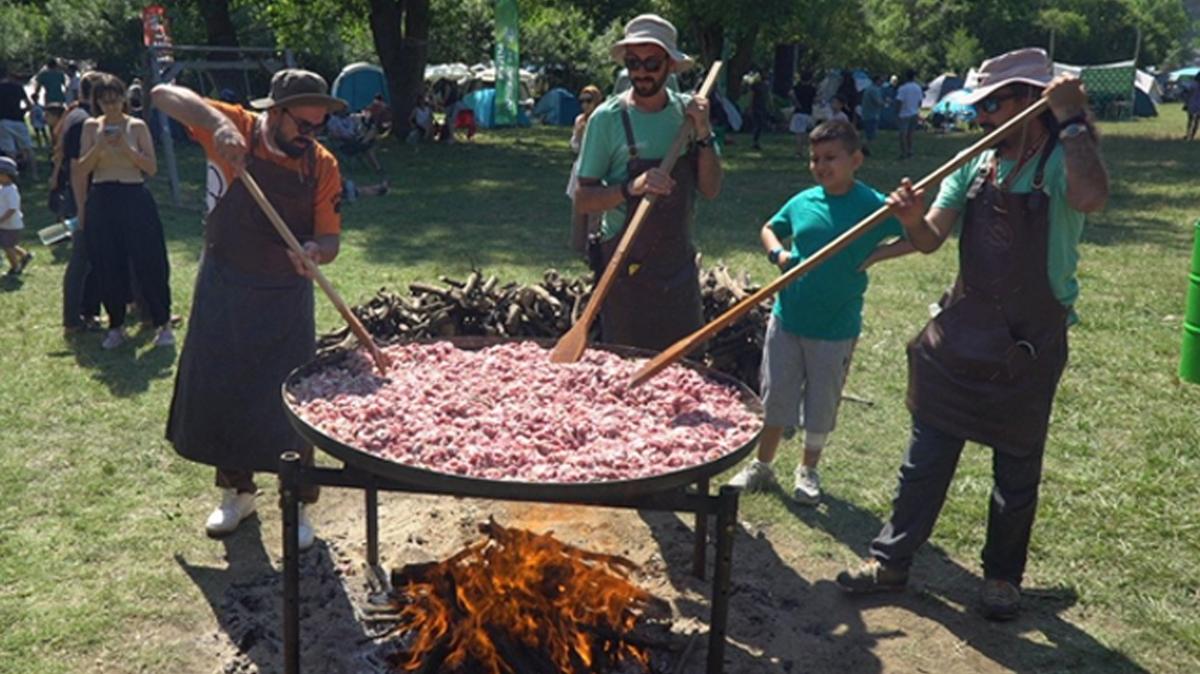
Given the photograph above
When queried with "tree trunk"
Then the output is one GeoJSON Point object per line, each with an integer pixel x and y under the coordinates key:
{"type": "Point", "coordinates": [740, 61]}
{"type": "Point", "coordinates": [221, 32]}
{"type": "Point", "coordinates": [400, 29]}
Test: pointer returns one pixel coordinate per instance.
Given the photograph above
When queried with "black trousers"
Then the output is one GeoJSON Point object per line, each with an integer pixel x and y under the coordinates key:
{"type": "Point", "coordinates": [925, 475]}
{"type": "Point", "coordinates": [124, 234]}
{"type": "Point", "coordinates": [81, 287]}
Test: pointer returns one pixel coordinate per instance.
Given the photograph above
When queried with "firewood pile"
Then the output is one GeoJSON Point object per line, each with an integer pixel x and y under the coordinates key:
{"type": "Point", "coordinates": [481, 305]}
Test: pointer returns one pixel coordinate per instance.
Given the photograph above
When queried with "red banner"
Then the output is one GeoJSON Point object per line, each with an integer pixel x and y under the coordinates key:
{"type": "Point", "coordinates": [155, 31]}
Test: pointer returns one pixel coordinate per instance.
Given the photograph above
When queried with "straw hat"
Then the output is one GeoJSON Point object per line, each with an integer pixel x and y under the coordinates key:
{"type": "Point", "coordinates": [293, 86]}
{"type": "Point", "coordinates": [1024, 66]}
{"type": "Point", "coordinates": [655, 30]}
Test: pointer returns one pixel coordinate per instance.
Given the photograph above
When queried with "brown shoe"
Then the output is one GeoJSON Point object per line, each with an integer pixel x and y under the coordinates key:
{"type": "Point", "coordinates": [999, 599]}
{"type": "Point", "coordinates": [872, 577]}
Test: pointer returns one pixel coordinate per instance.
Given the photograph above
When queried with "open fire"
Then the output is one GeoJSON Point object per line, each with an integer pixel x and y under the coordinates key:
{"type": "Point", "coordinates": [516, 602]}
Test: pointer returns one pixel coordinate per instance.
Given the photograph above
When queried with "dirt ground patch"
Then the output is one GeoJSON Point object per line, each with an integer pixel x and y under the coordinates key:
{"type": "Point", "coordinates": [786, 615]}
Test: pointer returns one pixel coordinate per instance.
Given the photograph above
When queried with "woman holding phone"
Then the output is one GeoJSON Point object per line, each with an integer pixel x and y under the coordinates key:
{"type": "Point", "coordinates": [120, 216]}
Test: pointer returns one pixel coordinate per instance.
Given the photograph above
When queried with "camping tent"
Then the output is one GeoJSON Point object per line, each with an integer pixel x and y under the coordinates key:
{"type": "Point", "coordinates": [940, 86]}
{"type": "Point", "coordinates": [1110, 86]}
{"type": "Point", "coordinates": [358, 83]}
{"type": "Point", "coordinates": [953, 107]}
{"type": "Point", "coordinates": [1184, 73]}
{"type": "Point", "coordinates": [483, 103]}
{"type": "Point", "coordinates": [558, 107]}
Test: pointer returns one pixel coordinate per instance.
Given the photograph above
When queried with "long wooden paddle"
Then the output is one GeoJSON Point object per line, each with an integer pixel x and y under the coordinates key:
{"type": "Point", "coordinates": [570, 346]}
{"type": "Point", "coordinates": [356, 326]}
{"type": "Point", "coordinates": [687, 344]}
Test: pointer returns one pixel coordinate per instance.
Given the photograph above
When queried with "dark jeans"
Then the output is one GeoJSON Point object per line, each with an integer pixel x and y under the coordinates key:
{"type": "Point", "coordinates": [81, 288]}
{"type": "Point", "coordinates": [925, 475]}
{"type": "Point", "coordinates": [125, 238]}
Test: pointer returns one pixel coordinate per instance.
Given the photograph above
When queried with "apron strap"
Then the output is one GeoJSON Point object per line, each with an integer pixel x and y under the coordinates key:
{"type": "Point", "coordinates": [1040, 175]}
{"type": "Point", "coordinates": [627, 122]}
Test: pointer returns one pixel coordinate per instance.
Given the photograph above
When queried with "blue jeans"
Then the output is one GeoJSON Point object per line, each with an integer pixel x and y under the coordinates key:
{"type": "Point", "coordinates": [870, 128]}
{"type": "Point", "coordinates": [925, 475]}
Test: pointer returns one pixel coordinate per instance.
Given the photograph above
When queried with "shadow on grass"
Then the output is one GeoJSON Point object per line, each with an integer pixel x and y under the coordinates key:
{"type": "Point", "coordinates": [825, 630]}
{"type": "Point", "coordinates": [245, 600]}
{"type": "Point", "coordinates": [127, 370]}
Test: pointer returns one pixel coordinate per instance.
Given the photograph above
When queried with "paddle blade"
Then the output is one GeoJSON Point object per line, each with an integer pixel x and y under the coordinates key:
{"type": "Point", "coordinates": [570, 346]}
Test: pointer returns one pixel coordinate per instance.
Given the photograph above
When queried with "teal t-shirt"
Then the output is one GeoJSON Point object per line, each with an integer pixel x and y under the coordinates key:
{"type": "Point", "coordinates": [54, 83]}
{"type": "Point", "coordinates": [827, 302]}
{"type": "Point", "coordinates": [1066, 223]}
{"type": "Point", "coordinates": [605, 152]}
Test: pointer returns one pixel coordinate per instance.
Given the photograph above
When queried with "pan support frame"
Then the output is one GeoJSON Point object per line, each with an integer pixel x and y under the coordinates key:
{"type": "Point", "coordinates": [696, 499]}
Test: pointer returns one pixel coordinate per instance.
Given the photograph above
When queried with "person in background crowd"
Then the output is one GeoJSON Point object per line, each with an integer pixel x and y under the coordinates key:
{"type": "Point", "coordinates": [379, 114]}
{"type": "Point", "coordinates": [760, 113]}
{"type": "Point", "coordinates": [15, 141]}
{"type": "Point", "coordinates": [252, 318]}
{"type": "Point", "coordinates": [81, 285]}
{"type": "Point", "coordinates": [123, 229]}
{"type": "Point", "coordinates": [803, 96]}
{"type": "Point", "coordinates": [52, 84]}
{"type": "Point", "coordinates": [135, 96]}
{"type": "Point", "coordinates": [1192, 106]}
{"type": "Point", "coordinates": [848, 92]}
{"type": "Point", "coordinates": [73, 82]}
{"type": "Point", "coordinates": [872, 109]}
{"type": "Point", "coordinates": [908, 97]}
{"type": "Point", "coordinates": [37, 119]}
{"type": "Point", "coordinates": [987, 366]}
{"type": "Point", "coordinates": [655, 299]}
{"type": "Point", "coordinates": [837, 106]}
{"type": "Point", "coordinates": [420, 121]}
{"type": "Point", "coordinates": [11, 220]}
{"type": "Point", "coordinates": [817, 318]}
{"type": "Point", "coordinates": [582, 224]}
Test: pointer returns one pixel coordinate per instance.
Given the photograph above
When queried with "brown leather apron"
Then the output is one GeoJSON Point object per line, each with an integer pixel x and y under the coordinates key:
{"type": "Point", "coordinates": [986, 367]}
{"type": "Point", "coordinates": [655, 299]}
{"type": "Point", "coordinates": [251, 324]}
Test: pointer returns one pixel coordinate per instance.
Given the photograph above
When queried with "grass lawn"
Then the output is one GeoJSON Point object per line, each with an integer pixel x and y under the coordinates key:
{"type": "Point", "coordinates": [96, 507]}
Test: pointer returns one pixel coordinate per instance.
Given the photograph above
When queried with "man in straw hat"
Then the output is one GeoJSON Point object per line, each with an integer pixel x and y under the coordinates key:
{"type": "Point", "coordinates": [252, 314]}
{"type": "Point", "coordinates": [656, 297]}
{"type": "Point", "coordinates": [986, 367]}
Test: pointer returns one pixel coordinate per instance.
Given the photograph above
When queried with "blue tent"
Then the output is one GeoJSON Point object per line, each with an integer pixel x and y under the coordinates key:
{"type": "Point", "coordinates": [358, 83]}
{"type": "Point", "coordinates": [952, 107]}
{"type": "Point", "coordinates": [483, 103]}
{"type": "Point", "coordinates": [558, 107]}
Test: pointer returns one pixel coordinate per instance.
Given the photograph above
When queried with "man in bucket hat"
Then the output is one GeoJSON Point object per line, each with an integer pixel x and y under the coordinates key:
{"type": "Point", "coordinates": [656, 297]}
{"type": "Point", "coordinates": [252, 314]}
{"type": "Point", "coordinates": [987, 366]}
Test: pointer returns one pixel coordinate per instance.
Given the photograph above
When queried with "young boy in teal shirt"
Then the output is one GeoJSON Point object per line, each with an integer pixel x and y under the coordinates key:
{"type": "Point", "coordinates": [818, 317]}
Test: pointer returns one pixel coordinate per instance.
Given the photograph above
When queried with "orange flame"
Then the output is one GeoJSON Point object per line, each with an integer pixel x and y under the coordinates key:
{"type": "Point", "coordinates": [525, 591]}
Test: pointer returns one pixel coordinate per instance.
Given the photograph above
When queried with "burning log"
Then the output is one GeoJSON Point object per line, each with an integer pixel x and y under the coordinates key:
{"type": "Point", "coordinates": [520, 602]}
{"type": "Point", "coordinates": [483, 306]}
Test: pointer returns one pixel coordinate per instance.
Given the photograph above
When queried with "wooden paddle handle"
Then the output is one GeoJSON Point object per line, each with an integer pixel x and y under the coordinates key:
{"type": "Point", "coordinates": [687, 344]}
{"type": "Point", "coordinates": [643, 208]}
{"type": "Point", "coordinates": [356, 326]}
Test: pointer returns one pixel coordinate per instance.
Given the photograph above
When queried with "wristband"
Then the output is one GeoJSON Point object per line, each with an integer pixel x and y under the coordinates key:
{"type": "Point", "coordinates": [706, 141]}
{"type": "Point", "coordinates": [773, 256]}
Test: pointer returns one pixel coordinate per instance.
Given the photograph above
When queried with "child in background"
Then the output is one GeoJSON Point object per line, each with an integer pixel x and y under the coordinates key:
{"type": "Point", "coordinates": [11, 221]}
{"type": "Point", "coordinates": [817, 318]}
{"type": "Point", "coordinates": [838, 105]}
{"type": "Point", "coordinates": [37, 119]}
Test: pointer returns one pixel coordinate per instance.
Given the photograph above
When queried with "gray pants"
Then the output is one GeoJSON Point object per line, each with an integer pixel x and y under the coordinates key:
{"type": "Point", "coordinates": [925, 476]}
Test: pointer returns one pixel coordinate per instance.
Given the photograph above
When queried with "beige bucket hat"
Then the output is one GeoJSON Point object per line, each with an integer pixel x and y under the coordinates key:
{"type": "Point", "coordinates": [652, 29]}
{"type": "Point", "coordinates": [1025, 66]}
{"type": "Point", "coordinates": [293, 86]}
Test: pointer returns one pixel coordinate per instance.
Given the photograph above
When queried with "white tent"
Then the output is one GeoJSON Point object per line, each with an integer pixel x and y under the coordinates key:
{"type": "Point", "coordinates": [939, 87]}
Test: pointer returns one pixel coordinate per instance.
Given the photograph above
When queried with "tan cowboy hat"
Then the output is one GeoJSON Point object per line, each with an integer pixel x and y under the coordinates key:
{"type": "Point", "coordinates": [293, 86]}
{"type": "Point", "coordinates": [655, 30]}
{"type": "Point", "coordinates": [1024, 66]}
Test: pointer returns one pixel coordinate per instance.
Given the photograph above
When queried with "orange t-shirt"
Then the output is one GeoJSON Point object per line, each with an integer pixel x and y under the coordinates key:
{"type": "Point", "coordinates": [327, 200]}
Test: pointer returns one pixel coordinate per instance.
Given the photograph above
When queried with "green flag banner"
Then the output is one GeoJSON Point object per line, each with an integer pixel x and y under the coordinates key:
{"type": "Point", "coordinates": [508, 63]}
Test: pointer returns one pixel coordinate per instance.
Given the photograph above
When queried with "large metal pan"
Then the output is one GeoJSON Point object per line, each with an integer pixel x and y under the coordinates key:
{"type": "Point", "coordinates": [405, 474]}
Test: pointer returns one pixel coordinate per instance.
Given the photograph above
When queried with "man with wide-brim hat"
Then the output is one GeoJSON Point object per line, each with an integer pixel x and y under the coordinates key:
{"type": "Point", "coordinates": [987, 366]}
{"type": "Point", "coordinates": [655, 299]}
{"type": "Point", "coordinates": [252, 314]}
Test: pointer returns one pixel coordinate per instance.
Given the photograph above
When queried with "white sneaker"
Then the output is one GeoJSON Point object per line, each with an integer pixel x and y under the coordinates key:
{"type": "Point", "coordinates": [165, 337]}
{"type": "Point", "coordinates": [755, 476]}
{"type": "Point", "coordinates": [226, 517]}
{"type": "Point", "coordinates": [305, 527]}
{"type": "Point", "coordinates": [808, 485]}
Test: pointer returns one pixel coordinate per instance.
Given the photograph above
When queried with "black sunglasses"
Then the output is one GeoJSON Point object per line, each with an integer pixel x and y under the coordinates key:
{"type": "Point", "coordinates": [650, 65]}
{"type": "Point", "coordinates": [993, 103]}
{"type": "Point", "coordinates": [305, 127]}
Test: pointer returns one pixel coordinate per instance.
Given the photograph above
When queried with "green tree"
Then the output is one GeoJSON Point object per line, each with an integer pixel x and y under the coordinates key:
{"type": "Point", "coordinates": [963, 51]}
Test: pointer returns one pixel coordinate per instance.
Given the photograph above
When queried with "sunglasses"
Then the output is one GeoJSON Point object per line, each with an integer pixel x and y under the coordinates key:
{"type": "Point", "coordinates": [993, 103]}
{"type": "Point", "coordinates": [651, 65]}
{"type": "Point", "coordinates": [586, 99]}
{"type": "Point", "coordinates": [305, 127]}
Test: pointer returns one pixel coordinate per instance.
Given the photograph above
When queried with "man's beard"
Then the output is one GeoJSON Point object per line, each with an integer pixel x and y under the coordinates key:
{"type": "Point", "coordinates": [645, 87]}
{"type": "Point", "coordinates": [295, 148]}
{"type": "Point", "coordinates": [1003, 144]}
